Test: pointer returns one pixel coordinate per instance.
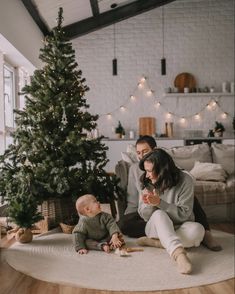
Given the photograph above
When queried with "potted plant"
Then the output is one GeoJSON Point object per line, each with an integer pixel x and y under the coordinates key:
{"type": "Point", "coordinates": [218, 129]}
{"type": "Point", "coordinates": [22, 207]}
{"type": "Point", "coordinates": [119, 130]}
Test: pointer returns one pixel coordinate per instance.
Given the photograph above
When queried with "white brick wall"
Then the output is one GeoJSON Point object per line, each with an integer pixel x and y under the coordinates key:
{"type": "Point", "coordinates": [199, 39]}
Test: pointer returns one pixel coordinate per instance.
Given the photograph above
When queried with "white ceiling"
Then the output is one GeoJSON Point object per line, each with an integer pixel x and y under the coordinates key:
{"type": "Point", "coordinates": [73, 10]}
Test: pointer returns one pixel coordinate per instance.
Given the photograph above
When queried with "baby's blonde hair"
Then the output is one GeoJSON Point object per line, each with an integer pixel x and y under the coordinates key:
{"type": "Point", "coordinates": [82, 203]}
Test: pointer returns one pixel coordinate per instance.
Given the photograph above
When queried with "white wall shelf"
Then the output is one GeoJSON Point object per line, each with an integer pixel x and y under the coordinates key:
{"type": "Point", "coordinates": [212, 95]}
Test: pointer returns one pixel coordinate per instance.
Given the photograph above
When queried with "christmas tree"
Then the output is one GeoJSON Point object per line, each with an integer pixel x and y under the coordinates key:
{"type": "Point", "coordinates": [52, 152]}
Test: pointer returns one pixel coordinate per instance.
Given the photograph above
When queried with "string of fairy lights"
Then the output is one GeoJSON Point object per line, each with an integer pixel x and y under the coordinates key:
{"type": "Point", "coordinates": [211, 105]}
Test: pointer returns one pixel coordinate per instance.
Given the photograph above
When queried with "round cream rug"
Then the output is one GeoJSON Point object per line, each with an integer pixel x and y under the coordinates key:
{"type": "Point", "coordinates": [51, 257]}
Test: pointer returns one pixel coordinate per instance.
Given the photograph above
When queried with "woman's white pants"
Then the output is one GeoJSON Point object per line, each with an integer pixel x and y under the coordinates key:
{"type": "Point", "coordinates": [189, 234]}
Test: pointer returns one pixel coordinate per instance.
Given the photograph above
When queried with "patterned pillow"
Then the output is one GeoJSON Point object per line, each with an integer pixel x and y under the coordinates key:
{"type": "Point", "coordinates": [206, 171]}
{"type": "Point", "coordinates": [130, 155]}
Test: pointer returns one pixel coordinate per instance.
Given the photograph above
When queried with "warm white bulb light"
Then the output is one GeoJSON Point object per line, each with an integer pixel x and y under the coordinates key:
{"type": "Point", "coordinates": [182, 120]}
{"type": "Point", "coordinates": [168, 115]}
{"type": "Point", "coordinates": [224, 115]}
{"type": "Point", "coordinates": [149, 93]}
{"type": "Point", "coordinates": [213, 103]}
{"type": "Point", "coordinates": [197, 116]}
{"type": "Point", "coordinates": [109, 116]}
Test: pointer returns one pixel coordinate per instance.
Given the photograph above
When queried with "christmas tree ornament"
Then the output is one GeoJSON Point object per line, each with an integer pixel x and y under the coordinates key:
{"type": "Point", "coordinates": [64, 120]}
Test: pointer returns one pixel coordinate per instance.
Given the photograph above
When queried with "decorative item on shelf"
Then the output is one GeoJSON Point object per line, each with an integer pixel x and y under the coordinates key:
{"type": "Point", "coordinates": [132, 134]}
{"type": "Point", "coordinates": [175, 90]}
{"type": "Point", "coordinates": [218, 129]}
{"type": "Point", "coordinates": [167, 90]}
{"type": "Point", "coordinates": [210, 133]}
{"type": "Point", "coordinates": [212, 89]}
{"type": "Point", "coordinates": [185, 80]}
{"type": "Point", "coordinates": [119, 130]}
{"type": "Point", "coordinates": [147, 126]}
{"type": "Point", "coordinates": [169, 129]}
{"type": "Point", "coordinates": [224, 87]}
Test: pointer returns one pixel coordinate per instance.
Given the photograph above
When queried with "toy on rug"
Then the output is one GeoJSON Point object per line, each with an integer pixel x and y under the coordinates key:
{"type": "Point", "coordinates": [125, 251]}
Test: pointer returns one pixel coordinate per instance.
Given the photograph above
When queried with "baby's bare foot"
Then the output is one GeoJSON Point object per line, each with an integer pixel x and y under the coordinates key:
{"type": "Point", "coordinates": [106, 248]}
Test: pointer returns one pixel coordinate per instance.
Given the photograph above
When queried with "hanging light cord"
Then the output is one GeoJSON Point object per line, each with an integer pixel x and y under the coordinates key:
{"type": "Point", "coordinates": [163, 35]}
{"type": "Point", "coordinates": [114, 41]}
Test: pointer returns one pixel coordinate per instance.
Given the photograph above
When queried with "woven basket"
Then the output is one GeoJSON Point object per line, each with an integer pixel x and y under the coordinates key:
{"type": "Point", "coordinates": [57, 211]}
{"type": "Point", "coordinates": [41, 227]}
{"type": "Point", "coordinates": [67, 229]}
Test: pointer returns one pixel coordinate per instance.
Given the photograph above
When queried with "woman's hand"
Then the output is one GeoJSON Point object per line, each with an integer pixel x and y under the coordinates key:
{"type": "Point", "coordinates": [151, 198]}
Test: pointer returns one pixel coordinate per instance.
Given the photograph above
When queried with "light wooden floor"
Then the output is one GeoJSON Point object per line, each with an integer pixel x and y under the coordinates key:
{"type": "Point", "coordinates": [13, 282]}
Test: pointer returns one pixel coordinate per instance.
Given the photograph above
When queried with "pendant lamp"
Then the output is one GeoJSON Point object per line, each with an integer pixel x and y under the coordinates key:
{"type": "Point", "coordinates": [114, 62]}
{"type": "Point", "coordinates": [163, 60]}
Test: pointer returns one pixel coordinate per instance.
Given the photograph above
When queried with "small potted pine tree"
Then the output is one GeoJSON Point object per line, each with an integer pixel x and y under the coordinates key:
{"type": "Point", "coordinates": [22, 207]}
{"type": "Point", "coordinates": [119, 130]}
{"type": "Point", "coordinates": [219, 129]}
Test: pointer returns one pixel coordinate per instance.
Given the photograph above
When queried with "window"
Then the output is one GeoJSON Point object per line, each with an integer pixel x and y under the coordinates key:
{"type": "Point", "coordinates": [9, 96]}
{"type": "Point", "coordinates": [13, 81]}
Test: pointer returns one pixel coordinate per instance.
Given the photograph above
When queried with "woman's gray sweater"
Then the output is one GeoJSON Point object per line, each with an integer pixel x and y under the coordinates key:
{"type": "Point", "coordinates": [177, 201]}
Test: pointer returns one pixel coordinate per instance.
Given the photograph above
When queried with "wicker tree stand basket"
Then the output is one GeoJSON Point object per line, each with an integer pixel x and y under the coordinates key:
{"type": "Point", "coordinates": [67, 229]}
{"type": "Point", "coordinates": [57, 211]}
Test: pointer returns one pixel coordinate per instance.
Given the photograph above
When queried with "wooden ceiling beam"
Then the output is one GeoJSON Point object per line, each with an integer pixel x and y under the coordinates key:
{"type": "Point", "coordinates": [35, 15]}
{"type": "Point", "coordinates": [99, 20]}
{"type": "Point", "coordinates": [95, 7]}
{"type": "Point", "coordinates": [110, 17]}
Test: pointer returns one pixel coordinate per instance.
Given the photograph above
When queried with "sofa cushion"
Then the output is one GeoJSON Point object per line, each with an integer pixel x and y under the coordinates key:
{"type": "Point", "coordinates": [130, 155]}
{"type": "Point", "coordinates": [207, 171]}
{"type": "Point", "coordinates": [224, 154]}
{"type": "Point", "coordinates": [185, 156]}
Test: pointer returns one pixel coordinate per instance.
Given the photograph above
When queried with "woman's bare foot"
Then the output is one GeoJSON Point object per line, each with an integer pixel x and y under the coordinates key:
{"type": "Point", "coordinates": [145, 241]}
{"type": "Point", "coordinates": [210, 242]}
